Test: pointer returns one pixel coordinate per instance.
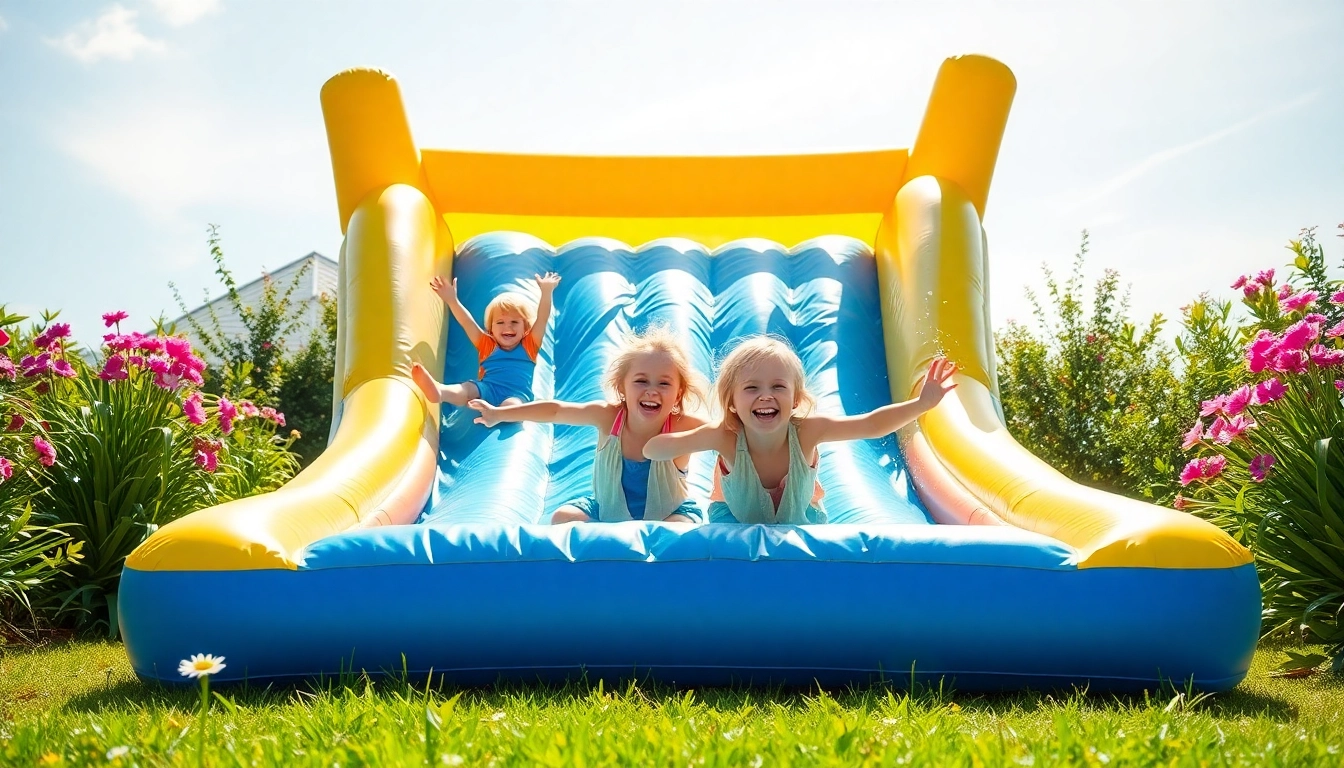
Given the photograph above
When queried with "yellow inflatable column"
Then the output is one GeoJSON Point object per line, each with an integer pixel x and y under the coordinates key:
{"type": "Point", "coordinates": [380, 463]}
{"type": "Point", "coordinates": [932, 267]}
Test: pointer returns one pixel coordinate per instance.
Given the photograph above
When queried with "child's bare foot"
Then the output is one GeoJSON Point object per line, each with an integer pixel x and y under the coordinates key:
{"type": "Point", "coordinates": [426, 383]}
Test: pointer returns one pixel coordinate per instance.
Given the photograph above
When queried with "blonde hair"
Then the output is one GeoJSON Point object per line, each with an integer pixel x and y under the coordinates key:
{"type": "Point", "coordinates": [659, 338]}
{"type": "Point", "coordinates": [514, 303]}
{"type": "Point", "coordinates": [750, 353]}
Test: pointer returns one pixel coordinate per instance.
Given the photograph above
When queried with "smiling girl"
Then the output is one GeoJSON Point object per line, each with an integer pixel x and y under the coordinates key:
{"type": "Point", "coordinates": [767, 441]}
{"type": "Point", "coordinates": [653, 384]}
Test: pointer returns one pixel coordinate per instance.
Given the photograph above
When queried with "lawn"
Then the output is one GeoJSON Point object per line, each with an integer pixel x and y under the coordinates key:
{"type": "Point", "coordinates": [78, 703]}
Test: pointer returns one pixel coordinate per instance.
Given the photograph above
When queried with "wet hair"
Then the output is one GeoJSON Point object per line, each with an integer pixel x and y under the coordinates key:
{"type": "Point", "coordinates": [659, 338]}
{"type": "Point", "coordinates": [513, 303]}
{"type": "Point", "coordinates": [750, 353]}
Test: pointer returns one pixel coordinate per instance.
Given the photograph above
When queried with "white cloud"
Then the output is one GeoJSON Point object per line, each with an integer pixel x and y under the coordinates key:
{"type": "Point", "coordinates": [169, 159]}
{"type": "Point", "coordinates": [179, 13]}
{"type": "Point", "coordinates": [112, 35]}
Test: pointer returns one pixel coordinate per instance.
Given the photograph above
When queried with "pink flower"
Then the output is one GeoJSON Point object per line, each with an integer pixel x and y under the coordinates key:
{"type": "Point", "coordinates": [1339, 385]}
{"type": "Point", "coordinates": [1300, 301]}
{"type": "Point", "coordinates": [1261, 351]}
{"type": "Point", "coordinates": [6, 469]}
{"type": "Point", "coordinates": [248, 409]}
{"type": "Point", "coordinates": [1179, 502]}
{"type": "Point", "coordinates": [1335, 331]}
{"type": "Point", "coordinates": [1241, 282]}
{"type": "Point", "coordinates": [1237, 400]}
{"type": "Point", "coordinates": [1265, 278]}
{"type": "Point", "coordinates": [151, 345]}
{"type": "Point", "coordinates": [1238, 424]}
{"type": "Point", "coordinates": [63, 368]}
{"type": "Point", "coordinates": [112, 318]}
{"type": "Point", "coordinates": [270, 414]}
{"type": "Point", "coordinates": [1260, 466]}
{"type": "Point", "coordinates": [118, 342]}
{"type": "Point", "coordinates": [1250, 290]}
{"type": "Point", "coordinates": [1335, 298]}
{"type": "Point", "coordinates": [1315, 317]}
{"type": "Point", "coordinates": [1214, 466]}
{"type": "Point", "coordinates": [1325, 357]}
{"type": "Point", "coordinates": [45, 453]}
{"type": "Point", "coordinates": [1193, 437]}
{"type": "Point", "coordinates": [4, 337]}
{"type": "Point", "coordinates": [1285, 291]}
{"type": "Point", "coordinates": [114, 369]}
{"type": "Point", "coordinates": [1268, 391]}
{"type": "Point", "coordinates": [1218, 431]}
{"type": "Point", "coordinates": [1290, 361]}
{"type": "Point", "coordinates": [58, 330]}
{"type": "Point", "coordinates": [7, 368]}
{"type": "Point", "coordinates": [207, 453]}
{"type": "Point", "coordinates": [1193, 471]}
{"type": "Point", "coordinates": [227, 413]}
{"type": "Point", "coordinates": [1213, 407]}
{"type": "Point", "coordinates": [177, 348]}
{"type": "Point", "coordinates": [192, 408]}
{"type": "Point", "coordinates": [1299, 335]}
{"type": "Point", "coordinates": [135, 360]}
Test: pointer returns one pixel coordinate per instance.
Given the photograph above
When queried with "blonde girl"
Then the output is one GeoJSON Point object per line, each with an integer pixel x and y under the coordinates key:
{"type": "Point", "coordinates": [767, 441]}
{"type": "Point", "coordinates": [654, 386]}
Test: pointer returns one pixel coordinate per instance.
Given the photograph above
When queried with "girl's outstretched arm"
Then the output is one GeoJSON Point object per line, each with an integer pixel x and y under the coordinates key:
{"type": "Point", "coordinates": [544, 411]}
{"type": "Point", "coordinates": [887, 419]}
{"type": "Point", "coordinates": [448, 292]}
{"type": "Point", "coordinates": [707, 437]}
{"type": "Point", "coordinates": [546, 284]}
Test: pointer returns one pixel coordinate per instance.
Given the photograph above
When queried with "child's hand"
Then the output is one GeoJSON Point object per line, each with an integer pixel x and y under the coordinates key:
{"type": "Point", "coordinates": [547, 282]}
{"type": "Point", "coordinates": [489, 414]}
{"type": "Point", "coordinates": [446, 290]}
{"type": "Point", "coordinates": [937, 382]}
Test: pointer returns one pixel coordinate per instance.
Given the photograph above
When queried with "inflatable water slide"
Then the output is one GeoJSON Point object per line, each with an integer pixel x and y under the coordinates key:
{"type": "Point", "coordinates": [419, 543]}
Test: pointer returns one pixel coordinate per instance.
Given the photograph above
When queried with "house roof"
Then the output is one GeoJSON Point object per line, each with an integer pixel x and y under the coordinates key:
{"type": "Point", "coordinates": [321, 279]}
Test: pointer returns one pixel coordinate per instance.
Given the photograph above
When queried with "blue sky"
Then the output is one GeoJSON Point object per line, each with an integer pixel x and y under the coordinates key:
{"type": "Point", "coordinates": [1192, 138]}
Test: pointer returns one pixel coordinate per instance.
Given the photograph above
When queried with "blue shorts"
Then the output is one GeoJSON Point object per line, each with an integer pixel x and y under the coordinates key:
{"type": "Point", "coordinates": [495, 393]}
{"type": "Point", "coordinates": [588, 506]}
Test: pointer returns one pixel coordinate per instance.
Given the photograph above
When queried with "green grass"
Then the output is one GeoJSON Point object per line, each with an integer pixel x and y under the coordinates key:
{"type": "Point", "coordinates": [78, 704]}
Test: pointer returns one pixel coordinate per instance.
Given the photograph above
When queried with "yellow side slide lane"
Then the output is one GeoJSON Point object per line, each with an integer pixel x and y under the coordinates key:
{"type": "Point", "coordinates": [931, 272]}
{"type": "Point", "coordinates": [378, 466]}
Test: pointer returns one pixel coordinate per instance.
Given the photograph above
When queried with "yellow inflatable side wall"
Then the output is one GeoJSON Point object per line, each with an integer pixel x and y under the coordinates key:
{"type": "Point", "coordinates": [402, 209]}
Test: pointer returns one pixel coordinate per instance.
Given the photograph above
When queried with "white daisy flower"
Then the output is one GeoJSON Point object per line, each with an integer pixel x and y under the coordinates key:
{"type": "Point", "coordinates": [200, 664]}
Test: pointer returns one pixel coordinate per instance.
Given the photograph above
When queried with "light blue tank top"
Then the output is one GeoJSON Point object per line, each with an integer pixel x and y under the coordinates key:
{"type": "Point", "coordinates": [649, 490]}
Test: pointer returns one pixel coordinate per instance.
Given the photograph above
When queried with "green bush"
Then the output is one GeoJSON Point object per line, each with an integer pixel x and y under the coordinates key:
{"type": "Point", "coordinates": [1268, 465]}
{"type": "Point", "coordinates": [1089, 392]}
{"type": "Point", "coordinates": [306, 391]}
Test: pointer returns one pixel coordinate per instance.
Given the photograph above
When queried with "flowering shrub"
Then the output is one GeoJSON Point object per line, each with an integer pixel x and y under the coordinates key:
{"type": "Point", "coordinates": [31, 555]}
{"type": "Point", "coordinates": [1268, 460]}
{"type": "Point", "coordinates": [130, 443]}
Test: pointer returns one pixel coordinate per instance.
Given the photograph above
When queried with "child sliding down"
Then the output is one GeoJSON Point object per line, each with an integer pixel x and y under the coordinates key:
{"type": "Point", "coordinates": [653, 383]}
{"type": "Point", "coordinates": [507, 347]}
{"type": "Point", "coordinates": [767, 441]}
